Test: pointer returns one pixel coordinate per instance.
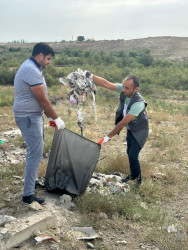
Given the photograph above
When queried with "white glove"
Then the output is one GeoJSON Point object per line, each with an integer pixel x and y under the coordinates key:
{"type": "Point", "coordinates": [104, 140]}
{"type": "Point", "coordinates": [59, 123]}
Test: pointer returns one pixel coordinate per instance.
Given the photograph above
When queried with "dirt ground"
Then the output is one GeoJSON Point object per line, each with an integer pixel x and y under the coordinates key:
{"type": "Point", "coordinates": [115, 233]}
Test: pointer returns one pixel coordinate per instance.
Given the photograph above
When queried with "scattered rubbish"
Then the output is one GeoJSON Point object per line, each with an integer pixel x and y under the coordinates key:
{"type": "Point", "coordinates": [120, 188]}
{"type": "Point", "coordinates": [108, 184]}
{"type": "Point", "coordinates": [121, 242]}
{"type": "Point", "coordinates": [82, 84]}
{"type": "Point", "coordinates": [172, 229]}
{"type": "Point", "coordinates": [24, 234]}
{"type": "Point", "coordinates": [42, 237]}
{"type": "Point", "coordinates": [1, 141]}
{"type": "Point", "coordinates": [90, 245]}
{"type": "Point", "coordinates": [65, 200]}
{"type": "Point", "coordinates": [4, 230]}
{"type": "Point", "coordinates": [17, 177]}
{"type": "Point", "coordinates": [5, 218]}
{"type": "Point", "coordinates": [12, 133]}
{"type": "Point", "coordinates": [12, 161]}
{"type": "Point", "coordinates": [80, 118]}
{"type": "Point", "coordinates": [103, 216]}
{"type": "Point", "coordinates": [35, 206]}
{"type": "Point", "coordinates": [148, 246]}
{"type": "Point", "coordinates": [85, 233]}
{"type": "Point", "coordinates": [143, 204]}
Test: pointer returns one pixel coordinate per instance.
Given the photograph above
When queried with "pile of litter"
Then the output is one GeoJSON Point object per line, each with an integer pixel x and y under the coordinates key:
{"type": "Point", "coordinates": [81, 84]}
{"type": "Point", "coordinates": [108, 184]}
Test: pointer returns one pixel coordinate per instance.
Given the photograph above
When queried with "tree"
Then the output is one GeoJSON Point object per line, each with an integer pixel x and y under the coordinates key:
{"type": "Point", "coordinates": [146, 60]}
{"type": "Point", "coordinates": [80, 38]}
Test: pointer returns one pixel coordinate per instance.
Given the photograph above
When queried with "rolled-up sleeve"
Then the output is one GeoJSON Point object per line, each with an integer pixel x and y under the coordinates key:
{"type": "Point", "coordinates": [119, 87]}
{"type": "Point", "coordinates": [136, 108]}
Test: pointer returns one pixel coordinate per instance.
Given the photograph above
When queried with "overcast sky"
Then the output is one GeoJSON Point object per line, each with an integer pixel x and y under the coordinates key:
{"type": "Point", "coordinates": [57, 20]}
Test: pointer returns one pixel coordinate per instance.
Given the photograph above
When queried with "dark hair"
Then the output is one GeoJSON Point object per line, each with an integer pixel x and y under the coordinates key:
{"type": "Point", "coordinates": [136, 81]}
{"type": "Point", "coordinates": [43, 48]}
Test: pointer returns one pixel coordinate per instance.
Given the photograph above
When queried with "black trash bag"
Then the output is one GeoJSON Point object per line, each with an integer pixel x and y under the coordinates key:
{"type": "Point", "coordinates": [72, 162]}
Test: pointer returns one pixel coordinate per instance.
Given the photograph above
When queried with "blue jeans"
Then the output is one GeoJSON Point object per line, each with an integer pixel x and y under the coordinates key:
{"type": "Point", "coordinates": [32, 129]}
{"type": "Point", "coordinates": [133, 150]}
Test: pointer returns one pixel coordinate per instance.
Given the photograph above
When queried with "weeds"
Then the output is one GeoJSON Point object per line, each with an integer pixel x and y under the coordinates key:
{"type": "Point", "coordinates": [129, 206]}
{"type": "Point", "coordinates": [164, 153]}
{"type": "Point", "coordinates": [118, 163]}
{"type": "Point", "coordinates": [165, 240]}
{"type": "Point", "coordinates": [8, 187]}
{"type": "Point", "coordinates": [6, 97]}
{"type": "Point", "coordinates": [186, 110]}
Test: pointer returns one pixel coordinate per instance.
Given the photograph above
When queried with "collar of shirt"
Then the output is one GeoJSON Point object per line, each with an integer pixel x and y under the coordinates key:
{"type": "Point", "coordinates": [38, 65]}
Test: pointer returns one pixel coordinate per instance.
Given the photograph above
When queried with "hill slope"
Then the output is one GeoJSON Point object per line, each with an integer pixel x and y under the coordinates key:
{"type": "Point", "coordinates": [172, 48]}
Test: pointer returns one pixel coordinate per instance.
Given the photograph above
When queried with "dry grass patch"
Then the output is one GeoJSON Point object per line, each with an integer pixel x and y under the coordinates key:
{"type": "Point", "coordinates": [9, 186]}
{"type": "Point", "coordinates": [159, 117]}
{"type": "Point", "coordinates": [164, 153]}
{"type": "Point", "coordinates": [114, 163]}
{"type": "Point", "coordinates": [159, 236]}
{"type": "Point", "coordinates": [128, 206]}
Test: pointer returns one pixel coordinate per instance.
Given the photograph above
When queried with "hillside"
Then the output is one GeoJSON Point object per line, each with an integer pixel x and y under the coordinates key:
{"type": "Point", "coordinates": [171, 48]}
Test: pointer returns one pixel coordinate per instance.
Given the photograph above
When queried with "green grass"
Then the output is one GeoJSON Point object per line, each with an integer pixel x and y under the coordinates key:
{"type": "Point", "coordinates": [186, 110]}
{"type": "Point", "coordinates": [111, 164]}
{"type": "Point", "coordinates": [164, 152]}
{"type": "Point", "coordinates": [129, 206]}
{"type": "Point", "coordinates": [6, 97]}
{"type": "Point", "coordinates": [164, 240]}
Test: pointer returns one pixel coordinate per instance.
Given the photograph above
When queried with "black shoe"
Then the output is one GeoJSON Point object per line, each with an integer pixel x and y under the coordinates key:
{"type": "Point", "coordinates": [39, 184]}
{"type": "Point", "coordinates": [138, 180]}
{"type": "Point", "coordinates": [29, 199]}
{"type": "Point", "coordinates": [127, 178]}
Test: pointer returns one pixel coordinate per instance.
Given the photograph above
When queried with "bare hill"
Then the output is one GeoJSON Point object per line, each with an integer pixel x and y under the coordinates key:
{"type": "Point", "coordinates": [172, 48]}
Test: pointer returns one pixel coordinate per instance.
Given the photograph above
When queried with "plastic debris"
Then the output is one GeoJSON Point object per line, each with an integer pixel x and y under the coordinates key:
{"type": "Point", "coordinates": [172, 229]}
{"type": "Point", "coordinates": [82, 85]}
{"type": "Point", "coordinates": [108, 184]}
{"type": "Point", "coordinates": [1, 141]}
{"type": "Point", "coordinates": [5, 218]}
{"type": "Point", "coordinates": [42, 237]}
{"type": "Point", "coordinates": [90, 245]}
{"type": "Point", "coordinates": [65, 200]}
{"type": "Point", "coordinates": [120, 189]}
{"type": "Point", "coordinates": [80, 118]}
{"type": "Point", "coordinates": [73, 101]}
{"type": "Point", "coordinates": [87, 233]}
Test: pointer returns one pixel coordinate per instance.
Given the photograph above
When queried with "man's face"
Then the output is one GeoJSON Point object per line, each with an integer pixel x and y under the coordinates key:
{"type": "Point", "coordinates": [128, 88]}
{"type": "Point", "coordinates": [45, 60]}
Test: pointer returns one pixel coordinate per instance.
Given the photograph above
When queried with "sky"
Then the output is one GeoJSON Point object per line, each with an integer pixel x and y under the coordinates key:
{"type": "Point", "coordinates": [57, 20]}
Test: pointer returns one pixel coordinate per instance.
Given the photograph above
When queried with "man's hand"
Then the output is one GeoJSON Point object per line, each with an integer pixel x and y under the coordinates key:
{"type": "Point", "coordinates": [58, 123]}
{"type": "Point", "coordinates": [104, 140]}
